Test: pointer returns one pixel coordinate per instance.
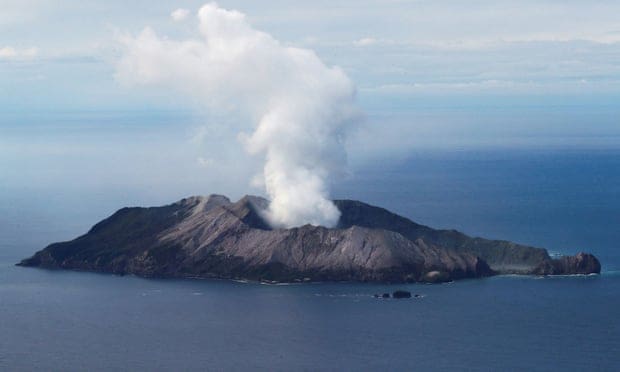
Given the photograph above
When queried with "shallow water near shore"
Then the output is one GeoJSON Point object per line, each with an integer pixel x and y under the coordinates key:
{"type": "Point", "coordinates": [564, 201]}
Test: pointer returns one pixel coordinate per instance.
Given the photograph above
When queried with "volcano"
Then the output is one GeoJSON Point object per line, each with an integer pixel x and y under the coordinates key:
{"type": "Point", "coordinates": [213, 237]}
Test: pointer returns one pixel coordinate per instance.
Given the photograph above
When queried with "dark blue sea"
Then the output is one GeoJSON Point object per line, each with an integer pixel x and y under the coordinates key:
{"type": "Point", "coordinates": [564, 200]}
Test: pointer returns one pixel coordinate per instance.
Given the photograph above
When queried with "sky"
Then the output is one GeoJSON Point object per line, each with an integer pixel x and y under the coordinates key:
{"type": "Point", "coordinates": [428, 75]}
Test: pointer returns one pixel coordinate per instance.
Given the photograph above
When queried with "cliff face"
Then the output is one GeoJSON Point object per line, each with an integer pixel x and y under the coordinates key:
{"type": "Point", "coordinates": [212, 237]}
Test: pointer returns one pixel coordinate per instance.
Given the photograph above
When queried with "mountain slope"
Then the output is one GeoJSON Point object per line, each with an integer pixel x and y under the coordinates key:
{"type": "Point", "coordinates": [502, 256]}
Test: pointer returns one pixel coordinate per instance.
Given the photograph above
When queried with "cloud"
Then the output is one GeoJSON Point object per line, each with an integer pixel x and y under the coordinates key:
{"type": "Point", "coordinates": [179, 15]}
{"type": "Point", "coordinates": [200, 135]}
{"type": "Point", "coordinates": [297, 108]}
{"type": "Point", "coordinates": [366, 41]}
{"type": "Point", "coordinates": [10, 53]}
{"type": "Point", "coordinates": [205, 162]}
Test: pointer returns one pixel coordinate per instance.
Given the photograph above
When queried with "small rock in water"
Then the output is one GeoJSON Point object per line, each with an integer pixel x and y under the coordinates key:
{"type": "Point", "coordinates": [401, 294]}
{"type": "Point", "coordinates": [385, 295]}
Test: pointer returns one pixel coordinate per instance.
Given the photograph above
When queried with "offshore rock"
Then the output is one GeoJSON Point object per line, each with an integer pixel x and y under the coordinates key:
{"type": "Point", "coordinates": [401, 294]}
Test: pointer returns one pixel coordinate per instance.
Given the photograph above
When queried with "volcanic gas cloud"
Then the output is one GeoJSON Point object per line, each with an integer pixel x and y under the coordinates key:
{"type": "Point", "coordinates": [300, 107]}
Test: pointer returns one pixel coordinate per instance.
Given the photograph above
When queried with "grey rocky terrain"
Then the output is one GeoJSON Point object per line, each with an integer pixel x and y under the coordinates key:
{"type": "Point", "coordinates": [212, 237]}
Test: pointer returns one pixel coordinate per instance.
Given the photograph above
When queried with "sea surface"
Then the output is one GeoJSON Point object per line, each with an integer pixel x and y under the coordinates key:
{"type": "Point", "coordinates": [564, 200]}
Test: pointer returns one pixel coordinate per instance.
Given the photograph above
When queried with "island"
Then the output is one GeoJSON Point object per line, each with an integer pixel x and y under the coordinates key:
{"type": "Point", "coordinates": [213, 237]}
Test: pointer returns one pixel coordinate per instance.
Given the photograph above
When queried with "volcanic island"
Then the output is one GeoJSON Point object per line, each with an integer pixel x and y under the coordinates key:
{"type": "Point", "coordinates": [214, 237]}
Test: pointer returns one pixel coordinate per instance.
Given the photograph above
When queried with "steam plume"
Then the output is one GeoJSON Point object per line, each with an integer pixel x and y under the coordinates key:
{"type": "Point", "coordinates": [300, 106]}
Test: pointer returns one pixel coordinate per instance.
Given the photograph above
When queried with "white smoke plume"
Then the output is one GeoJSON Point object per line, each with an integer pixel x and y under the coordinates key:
{"type": "Point", "coordinates": [300, 106]}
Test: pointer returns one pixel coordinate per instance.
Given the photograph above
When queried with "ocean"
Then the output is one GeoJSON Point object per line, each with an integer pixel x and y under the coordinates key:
{"type": "Point", "coordinates": [566, 200]}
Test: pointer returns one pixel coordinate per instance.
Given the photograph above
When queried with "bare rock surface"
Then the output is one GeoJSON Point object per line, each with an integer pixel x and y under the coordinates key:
{"type": "Point", "coordinates": [213, 237]}
{"type": "Point", "coordinates": [581, 263]}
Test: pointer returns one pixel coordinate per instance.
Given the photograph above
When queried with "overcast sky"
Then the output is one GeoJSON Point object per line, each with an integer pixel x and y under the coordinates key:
{"type": "Point", "coordinates": [443, 74]}
{"type": "Point", "coordinates": [387, 47]}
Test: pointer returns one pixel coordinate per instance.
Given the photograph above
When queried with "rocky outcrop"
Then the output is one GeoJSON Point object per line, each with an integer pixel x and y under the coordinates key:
{"type": "Point", "coordinates": [582, 263]}
{"type": "Point", "coordinates": [212, 237]}
{"type": "Point", "coordinates": [401, 294]}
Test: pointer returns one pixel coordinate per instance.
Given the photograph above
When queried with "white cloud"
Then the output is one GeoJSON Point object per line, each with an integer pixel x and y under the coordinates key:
{"type": "Point", "coordinates": [205, 162]}
{"type": "Point", "coordinates": [438, 87]}
{"type": "Point", "coordinates": [10, 53]}
{"type": "Point", "coordinates": [299, 108]}
{"type": "Point", "coordinates": [179, 15]}
{"type": "Point", "coordinates": [200, 134]}
{"type": "Point", "coordinates": [495, 87]}
{"type": "Point", "coordinates": [366, 41]}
